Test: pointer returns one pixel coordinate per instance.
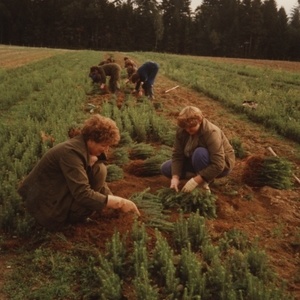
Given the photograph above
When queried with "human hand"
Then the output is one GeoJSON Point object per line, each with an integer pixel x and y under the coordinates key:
{"type": "Point", "coordinates": [102, 86]}
{"type": "Point", "coordinates": [123, 204]}
{"type": "Point", "coordinates": [140, 93]}
{"type": "Point", "coordinates": [93, 159]}
{"type": "Point", "coordinates": [205, 187]}
{"type": "Point", "coordinates": [174, 183]}
{"type": "Point", "coordinates": [189, 186]}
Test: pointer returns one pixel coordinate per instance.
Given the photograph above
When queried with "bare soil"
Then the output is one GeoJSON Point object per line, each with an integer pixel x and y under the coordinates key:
{"type": "Point", "coordinates": [267, 215]}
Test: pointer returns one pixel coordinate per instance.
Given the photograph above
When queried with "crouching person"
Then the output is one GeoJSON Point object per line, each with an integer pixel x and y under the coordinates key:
{"type": "Point", "coordinates": [201, 153]}
{"type": "Point", "coordinates": [68, 184]}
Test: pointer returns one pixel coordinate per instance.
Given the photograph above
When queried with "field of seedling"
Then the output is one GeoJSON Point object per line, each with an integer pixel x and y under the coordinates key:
{"type": "Point", "coordinates": [240, 242]}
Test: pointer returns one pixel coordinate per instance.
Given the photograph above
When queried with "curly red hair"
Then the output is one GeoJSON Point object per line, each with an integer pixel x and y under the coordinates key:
{"type": "Point", "coordinates": [101, 130]}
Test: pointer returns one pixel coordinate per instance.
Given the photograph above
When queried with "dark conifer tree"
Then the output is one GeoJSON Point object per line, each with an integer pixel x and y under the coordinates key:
{"type": "Point", "coordinates": [251, 20]}
{"type": "Point", "coordinates": [281, 44]}
{"type": "Point", "coordinates": [208, 21]}
{"type": "Point", "coordinates": [270, 27]}
{"type": "Point", "coordinates": [145, 26]}
{"type": "Point", "coordinates": [294, 34]}
{"type": "Point", "coordinates": [228, 27]}
{"type": "Point", "coordinates": [177, 26]}
{"type": "Point", "coordinates": [232, 28]}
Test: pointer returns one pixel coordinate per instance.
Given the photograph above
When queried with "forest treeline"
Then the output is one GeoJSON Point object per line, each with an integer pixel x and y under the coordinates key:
{"type": "Point", "coordinates": [231, 28]}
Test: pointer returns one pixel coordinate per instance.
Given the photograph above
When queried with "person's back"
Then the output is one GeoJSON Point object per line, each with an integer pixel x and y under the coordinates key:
{"type": "Point", "coordinates": [106, 61]}
{"type": "Point", "coordinates": [48, 181]}
{"type": "Point", "coordinates": [130, 71]}
{"type": "Point", "coordinates": [129, 63]}
{"type": "Point", "coordinates": [147, 74]}
{"type": "Point", "coordinates": [114, 71]}
{"type": "Point", "coordinates": [111, 69]}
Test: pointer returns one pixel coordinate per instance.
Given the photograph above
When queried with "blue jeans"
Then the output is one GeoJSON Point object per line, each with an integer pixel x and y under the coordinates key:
{"type": "Point", "coordinates": [199, 161]}
{"type": "Point", "coordinates": [152, 70]}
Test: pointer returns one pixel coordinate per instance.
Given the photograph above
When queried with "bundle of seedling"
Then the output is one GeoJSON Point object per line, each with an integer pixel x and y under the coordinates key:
{"type": "Point", "coordinates": [261, 171]}
{"type": "Point", "coordinates": [165, 199]}
{"type": "Point", "coordinates": [126, 139]}
{"type": "Point", "coordinates": [151, 165]}
{"type": "Point", "coordinates": [148, 167]}
{"type": "Point", "coordinates": [120, 156]}
{"type": "Point", "coordinates": [114, 172]}
{"type": "Point", "coordinates": [238, 147]}
{"type": "Point", "coordinates": [197, 200]}
{"type": "Point", "coordinates": [141, 151]}
{"type": "Point", "coordinates": [153, 208]}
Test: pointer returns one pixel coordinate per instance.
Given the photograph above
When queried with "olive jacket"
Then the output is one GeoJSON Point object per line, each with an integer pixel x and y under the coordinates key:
{"type": "Point", "coordinates": [58, 180]}
{"type": "Point", "coordinates": [129, 63]}
{"type": "Point", "coordinates": [212, 138]}
{"type": "Point", "coordinates": [112, 69]}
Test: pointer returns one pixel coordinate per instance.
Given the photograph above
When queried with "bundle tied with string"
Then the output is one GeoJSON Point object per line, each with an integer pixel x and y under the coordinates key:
{"type": "Point", "coordinates": [262, 171]}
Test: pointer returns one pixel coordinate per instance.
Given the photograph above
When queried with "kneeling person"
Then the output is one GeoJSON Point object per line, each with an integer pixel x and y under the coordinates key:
{"type": "Point", "coordinates": [68, 184]}
{"type": "Point", "coordinates": [201, 152]}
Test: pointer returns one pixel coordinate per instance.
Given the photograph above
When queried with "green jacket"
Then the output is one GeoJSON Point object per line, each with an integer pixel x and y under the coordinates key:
{"type": "Point", "coordinates": [112, 69]}
{"type": "Point", "coordinates": [59, 180]}
{"type": "Point", "coordinates": [214, 140]}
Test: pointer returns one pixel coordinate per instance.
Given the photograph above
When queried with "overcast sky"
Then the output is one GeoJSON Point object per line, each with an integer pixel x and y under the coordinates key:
{"type": "Point", "coordinates": [287, 4]}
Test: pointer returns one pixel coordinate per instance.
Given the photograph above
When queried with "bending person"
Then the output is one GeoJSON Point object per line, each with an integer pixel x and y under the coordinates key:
{"type": "Point", "coordinates": [99, 73]}
{"type": "Point", "coordinates": [68, 184]}
{"type": "Point", "coordinates": [145, 75]}
{"type": "Point", "coordinates": [201, 152]}
{"type": "Point", "coordinates": [130, 66]}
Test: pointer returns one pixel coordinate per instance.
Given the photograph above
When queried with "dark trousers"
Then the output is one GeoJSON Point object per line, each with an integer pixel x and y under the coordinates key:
{"type": "Point", "coordinates": [148, 84]}
{"type": "Point", "coordinates": [199, 161]}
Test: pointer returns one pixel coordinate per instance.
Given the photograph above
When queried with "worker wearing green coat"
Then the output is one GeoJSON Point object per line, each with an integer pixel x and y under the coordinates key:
{"type": "Point", "coordinates": [68, 184]}
{"type": "Point", "coordinates": [99, 73]}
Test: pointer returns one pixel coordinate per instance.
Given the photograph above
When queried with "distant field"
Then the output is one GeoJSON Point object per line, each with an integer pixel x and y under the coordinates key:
{"type": "Point", "coordinates": [13, 56]}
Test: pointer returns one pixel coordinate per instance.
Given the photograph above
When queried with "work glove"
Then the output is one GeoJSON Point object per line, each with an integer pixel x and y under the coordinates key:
{"type": "Point", "coordinates": [103, 87]}
{"type": "Point", "coordinates": [189, 186]}
{"type": "Point", "coordinates": [174, 184]}
{"type": "Point", "coordinates": [205, 187]}
{"type": "Point", "coordinates": [123, 204]}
